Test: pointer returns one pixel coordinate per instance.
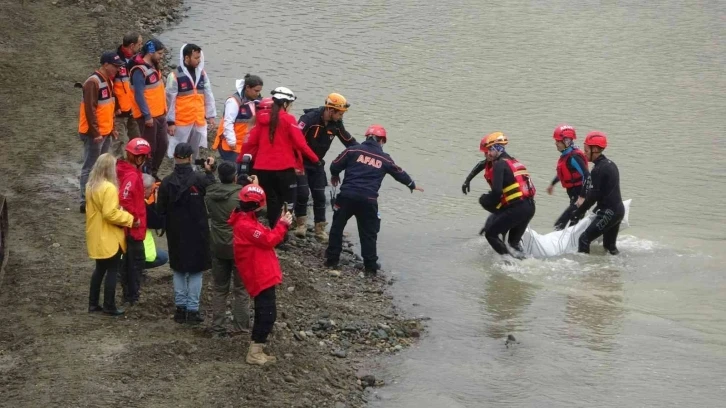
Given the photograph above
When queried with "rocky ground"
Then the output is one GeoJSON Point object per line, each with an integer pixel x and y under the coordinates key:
{"type": "Point", "coordinates": [53, 353]}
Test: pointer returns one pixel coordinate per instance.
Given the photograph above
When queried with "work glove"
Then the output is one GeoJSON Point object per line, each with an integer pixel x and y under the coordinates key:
{"type": "Point", "coordinates": [466, 187]}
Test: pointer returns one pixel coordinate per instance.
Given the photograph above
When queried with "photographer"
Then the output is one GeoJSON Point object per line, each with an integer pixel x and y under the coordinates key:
{"type": "Point", "coordinates": [181, 204]}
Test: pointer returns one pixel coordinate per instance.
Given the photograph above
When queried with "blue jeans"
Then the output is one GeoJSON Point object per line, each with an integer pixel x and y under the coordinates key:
{"type": "Point", "coordinates": [162, 257]}
{"type": "Point", "coordinates": [227, 156]}
{"type": "Point", "coordinates": [187, 290]}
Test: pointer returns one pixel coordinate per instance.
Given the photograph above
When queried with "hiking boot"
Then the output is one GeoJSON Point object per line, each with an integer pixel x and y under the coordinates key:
{"type": "Point", "coordinates": [180, 316]}
{"type": "Point", "coordinates": [113, 311]}
{"type": "Point", "coordinates": [194, 317]}
{"type": "Point", "coordinates": [320, 233]}
{"type": "Point", "coordinates": [95, 309]}
{"type": "Point", "coordinates": [256, 355]}
{"type": "Point", "coordinates": [331, 263]}
{"type": "Point", "coordinates": [301, 226]}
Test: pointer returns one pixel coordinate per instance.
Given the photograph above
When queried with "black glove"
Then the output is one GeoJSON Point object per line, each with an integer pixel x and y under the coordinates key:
{"type": "Point", "coordinates": [465, 188]}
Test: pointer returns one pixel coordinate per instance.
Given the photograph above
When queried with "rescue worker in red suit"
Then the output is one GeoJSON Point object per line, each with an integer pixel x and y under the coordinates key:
{"type": "Point", "coordinates": [132, 199]}
{"type": "Point", "coordinates": [571, 171]}
{"type": "Point", "coordinates": [603, 188]}
{"type": "Point", "coordinates": [511, 199]}
{"type": "Point", "coordinates": [258, 266]}
{"type": "Point", "coordinates": [273, 143]}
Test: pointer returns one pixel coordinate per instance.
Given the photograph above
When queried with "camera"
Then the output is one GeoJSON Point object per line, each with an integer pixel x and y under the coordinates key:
{"type": "Point", "coordinates": [200, 162]}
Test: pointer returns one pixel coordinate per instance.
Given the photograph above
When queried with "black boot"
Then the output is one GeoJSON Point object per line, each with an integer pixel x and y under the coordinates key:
{"type": "Point", "coordinates": [194, 317]}
{"type": "Point", "coordinates": [181, 314]}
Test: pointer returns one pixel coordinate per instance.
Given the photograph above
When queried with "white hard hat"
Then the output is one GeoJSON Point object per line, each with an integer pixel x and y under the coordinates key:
{"type": "Point", "coordinates": [282, 93]}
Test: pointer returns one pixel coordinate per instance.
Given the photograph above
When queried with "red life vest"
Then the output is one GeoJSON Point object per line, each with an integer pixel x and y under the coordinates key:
{"type": "Point", "coordinates": [570, 178]}
{"type": "Point", "coordinates": [521, 188]}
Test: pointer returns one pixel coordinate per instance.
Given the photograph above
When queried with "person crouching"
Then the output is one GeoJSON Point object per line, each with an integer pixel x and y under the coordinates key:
{"type": "Point", "coordinates": [258, 266]}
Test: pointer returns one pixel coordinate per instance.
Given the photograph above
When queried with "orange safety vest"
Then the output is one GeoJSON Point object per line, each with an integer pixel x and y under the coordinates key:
{"type": "Point", "coordinates": [104, 110]}
{"type": "Point", "coordinates": [189, 99]}
{"type": "Point", "coordinates": [245, 115]}
{"type": "Point", "coordinates": [122, 90]}
{"type": "Point", "coordinates": [521, 188]}
{"type": "Point", "coordinates": [152, 197]}
{"type": "Point", "coordinates": [153, 92]}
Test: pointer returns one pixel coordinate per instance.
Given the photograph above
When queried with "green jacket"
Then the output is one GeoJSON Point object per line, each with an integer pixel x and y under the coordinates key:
{"type": "Point", "coordinates": [221, 199]}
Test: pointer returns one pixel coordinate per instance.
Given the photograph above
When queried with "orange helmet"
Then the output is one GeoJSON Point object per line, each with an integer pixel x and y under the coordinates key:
{"type": "Point", "coordinates": [337, 102]}
{"type": "Point", "coordinates": [496, 138]}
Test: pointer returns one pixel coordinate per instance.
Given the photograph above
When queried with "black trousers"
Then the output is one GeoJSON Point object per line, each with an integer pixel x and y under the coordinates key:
{"type": "Point", "coordinates": [265, 315]}
{"type": "Point", "coordinates": [133, 262]}
{"type": "Point", "coordinates": [512, 219]}
{"type": "Point", "coordinates": [606, 223]}
{"type": "Point", "coordinates": [280, 186]}
{"type": "Point", "coordinates": [366, 215]}
{"type": "Point", "coordinates": [313, 181]}
{"type": "Point", "coordinates": [574, 194]}
{"type": "Point", "coordinates": [109, 268]}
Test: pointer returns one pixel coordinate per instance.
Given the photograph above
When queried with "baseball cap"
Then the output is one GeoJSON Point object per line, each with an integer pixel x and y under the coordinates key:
{"type": "Point", "coordinates": [183, 150]}
{"type": "Point", "coordinates": [110, 57]}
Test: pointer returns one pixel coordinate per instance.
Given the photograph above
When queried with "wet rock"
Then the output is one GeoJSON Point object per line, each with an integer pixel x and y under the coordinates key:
{"type": "Point", "coordinates": [291, 289]}
{"type": "Point", "coordinates": [300, 335]}
{"type": "Point", "coordinates": [384, 326]}
{"type": "Point", "coordinates": [98, 10]}
{"type": "Point", "coordinates": [289, 379]}
{"type": "Point", "coordinates": [398, 347]}
{"type": "Point", "coordinates": [368, 381]}
{"type": "Point", "coordinates": [56, 245]}
{"type": "Point", "coordinates": [339, 353]}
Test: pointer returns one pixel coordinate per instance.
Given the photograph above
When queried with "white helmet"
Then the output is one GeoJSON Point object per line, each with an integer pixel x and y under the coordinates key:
{"type": "Point", "coordinates": [284, 94]}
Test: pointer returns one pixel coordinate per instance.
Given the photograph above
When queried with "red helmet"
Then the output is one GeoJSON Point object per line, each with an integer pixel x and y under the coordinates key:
{"type": "Point", "coordinates": [138, 147]}
{"type": "Point", "coordinates": [265, 103]}
{"type": "Point", "coordinates": [564, 131]}
{"type": "Point", "coordinates": [252, 193]}
{"type": "Point", "coordinates": [376, 130]}
{"type": "Point", "coordinates": [596, 138]}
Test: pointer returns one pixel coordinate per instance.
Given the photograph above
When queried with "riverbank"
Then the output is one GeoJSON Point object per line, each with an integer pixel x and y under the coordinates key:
{"type": "Point", "coordinates": [52, 352]}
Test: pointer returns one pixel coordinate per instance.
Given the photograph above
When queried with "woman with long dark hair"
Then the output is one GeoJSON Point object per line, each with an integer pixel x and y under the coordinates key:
{"type": "Point", "coordinates": [274, 143]}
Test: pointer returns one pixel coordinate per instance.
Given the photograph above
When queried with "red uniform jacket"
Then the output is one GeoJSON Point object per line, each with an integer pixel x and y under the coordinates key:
{"type": "Point", "coordinates": [254, 251]}
{"type": "Point", "coordinates": [131, 197]}
{"type": "Point", "coordinates": [284, 152]}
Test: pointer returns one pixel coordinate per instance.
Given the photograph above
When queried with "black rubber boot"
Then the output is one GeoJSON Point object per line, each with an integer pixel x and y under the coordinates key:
{"type": "Point", "coordinates": [181, 314]}
{"type": "Point", "coordinates": [194, 317]}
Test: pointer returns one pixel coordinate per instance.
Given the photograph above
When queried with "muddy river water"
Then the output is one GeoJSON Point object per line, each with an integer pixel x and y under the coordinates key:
{"type": "Point", "coordinates": [645, 328]}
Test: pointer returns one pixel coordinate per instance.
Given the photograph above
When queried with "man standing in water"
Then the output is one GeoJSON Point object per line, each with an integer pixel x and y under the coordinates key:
{"type": "Point", "coordinates": [149, 105]}
{"type": "Point", "coordinates": [365, 166]}
{"type": "Point", "coordinates": [190, 101]}
{"type": "Point", "coordinates": [571, 171]}
{"type": "Point", "coordinates": [320, 126]}
{"type": "Point", "coordinates": [603, 188]}
{"type": "Point", "coordinates": [511, 199]}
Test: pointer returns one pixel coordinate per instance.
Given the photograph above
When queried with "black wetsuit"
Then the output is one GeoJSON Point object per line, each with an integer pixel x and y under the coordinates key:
{"type": "Point", "coordinates": [603, 188]}
{"type": "Point", "coordinates": [512, 218]}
